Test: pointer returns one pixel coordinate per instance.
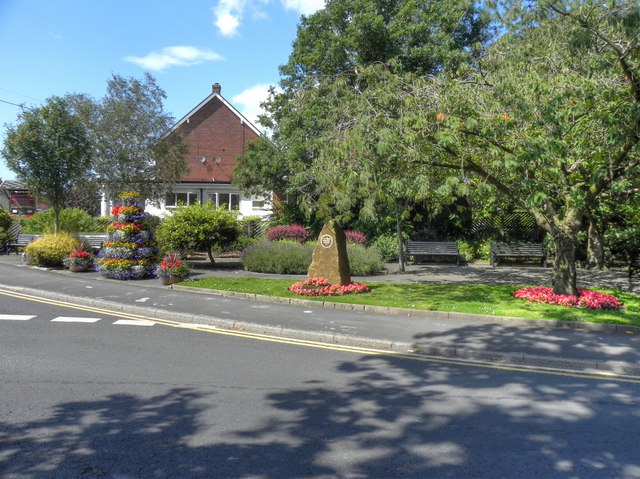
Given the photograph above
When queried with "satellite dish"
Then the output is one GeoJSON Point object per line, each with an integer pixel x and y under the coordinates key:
{"type": "Point", "coordinates": [217, 159]}
{"type": "Point", "coordinates": [200, 159]}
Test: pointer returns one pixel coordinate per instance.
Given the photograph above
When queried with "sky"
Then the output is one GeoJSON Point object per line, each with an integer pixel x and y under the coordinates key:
{"type": "Point", "coordinates": [51, 48]}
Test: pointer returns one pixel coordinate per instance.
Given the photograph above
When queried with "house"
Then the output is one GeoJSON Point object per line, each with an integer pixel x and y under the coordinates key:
{"type": "Point", "coordinates": [16, 199]}
{"type": "Point", "coordinates": [216, 134]}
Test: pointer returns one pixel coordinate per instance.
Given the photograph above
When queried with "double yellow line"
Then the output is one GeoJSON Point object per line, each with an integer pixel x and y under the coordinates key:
{"type": "Point", "coordinates": [413, 356]}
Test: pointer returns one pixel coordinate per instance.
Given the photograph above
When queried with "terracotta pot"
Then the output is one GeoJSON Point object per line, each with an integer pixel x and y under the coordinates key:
{"type": "Point", "coordinates": [77, 269]}
{"type": "Point", "coordinates": [170, 280]}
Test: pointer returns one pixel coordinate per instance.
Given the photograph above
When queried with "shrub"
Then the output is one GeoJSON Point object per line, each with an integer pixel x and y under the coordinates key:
{"type": "Point", "coordinates": [5, 219]}
{"type": "Point", "coordinates": [355, 237]}
{"type": "Point", "coordinates": [5, 224]}
{"type": "Point", "coordinates": [293, 232]}
{"type": "Point", "coordinates": [196, 228]}
{"type": "Point", "coordinates": [278, 257]}
{"type": "Point", "coordinates": [291, 257]}
{"type": "Point", "coordinates": [364, 261]}
{"type": "Point", "coordinates": [72, 220]}
{"type": "Point", "coordinates": [472, 250]}
{"type": "Point", "coordinates": [387, 245]}
{"type": "Point", "coordinates": [50, 250]}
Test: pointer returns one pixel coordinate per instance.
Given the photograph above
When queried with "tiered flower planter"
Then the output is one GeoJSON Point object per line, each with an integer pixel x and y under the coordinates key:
{"type": "Point", "coordinates": [130, 251]}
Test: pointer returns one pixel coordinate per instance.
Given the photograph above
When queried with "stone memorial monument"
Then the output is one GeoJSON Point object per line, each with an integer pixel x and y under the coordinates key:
{"type": "Point", "coordinates": [330, 259]}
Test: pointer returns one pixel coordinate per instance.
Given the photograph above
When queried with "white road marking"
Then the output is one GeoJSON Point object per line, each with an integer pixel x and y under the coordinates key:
{"type": "Point", "coordinates": [15, 317]}
{"type": "Point", "coordinates": [142, 300]}
{"type": "Point", "coordinates": [134, 322]}
{"type": "Point", "coordinates": [71, 319]}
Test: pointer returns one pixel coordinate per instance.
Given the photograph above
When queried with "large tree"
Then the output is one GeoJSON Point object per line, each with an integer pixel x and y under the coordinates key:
{"type": "Point", "coordinates": [424, 36]}
{"type": "Point", "coordinates": [129, 129]}
{"type": "Point", "coordinates": [49, 150]}
{"type": "Point", "coordinates": [552, 119]}
{"type": "Point", "coordinates": [549, 117]}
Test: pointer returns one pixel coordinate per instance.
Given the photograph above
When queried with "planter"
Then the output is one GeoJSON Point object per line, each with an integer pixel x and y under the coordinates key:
{"type": "Point", "coordinates": [79, 268]}
{"type": "Point", "coordinates": [171, 280]}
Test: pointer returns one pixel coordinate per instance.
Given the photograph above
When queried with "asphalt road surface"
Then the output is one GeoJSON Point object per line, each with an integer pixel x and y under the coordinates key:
{"type": "Point", "coordinates": [87, 394]}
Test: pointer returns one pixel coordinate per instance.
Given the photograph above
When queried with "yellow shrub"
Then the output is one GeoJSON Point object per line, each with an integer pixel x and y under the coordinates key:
{"type": "Point", "coordinates": [51, 249]}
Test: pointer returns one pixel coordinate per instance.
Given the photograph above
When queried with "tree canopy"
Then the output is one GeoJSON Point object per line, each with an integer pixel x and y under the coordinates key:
{"type": "Point", "coordinates": [421, 36]}
{"type": "Point", "coordinates": [49, 150]}
{"type": "Point", "coordinates": [552, 116]}
{"type": "Point", "coordinates": [548, 116]}
{"type": "Point", "coordinates": [129, 129]}
{"type": "Point", "coordinates": [198, 227]}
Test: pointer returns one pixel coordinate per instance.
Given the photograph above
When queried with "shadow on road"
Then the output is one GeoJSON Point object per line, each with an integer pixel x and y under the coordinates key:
{"type": "Point", "coordinates": [390, 418]}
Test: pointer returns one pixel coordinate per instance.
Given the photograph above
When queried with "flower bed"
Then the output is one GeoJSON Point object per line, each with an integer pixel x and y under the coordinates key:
{"type": "Point", "coordinates": [320, 287]}
{"type": "Point", "coordinates": [586, 299]}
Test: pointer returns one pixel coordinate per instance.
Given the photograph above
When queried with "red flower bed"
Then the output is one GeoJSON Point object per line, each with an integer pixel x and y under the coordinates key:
{"type": "Point", "coordinates": [586, 299]}
{"type": "Point", "coordinates": [321, 287]}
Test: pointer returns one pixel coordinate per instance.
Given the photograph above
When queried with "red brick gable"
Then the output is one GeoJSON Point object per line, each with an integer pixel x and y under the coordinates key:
{"type": "Point", "coordinates": [217, 133]}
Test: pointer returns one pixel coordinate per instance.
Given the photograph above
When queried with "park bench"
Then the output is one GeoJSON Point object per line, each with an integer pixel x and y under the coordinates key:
{"type": "Point", "coordinates": [94, 241]}
{"type": "Point", "coordinates": [422, 249]}
{"type": "Point", "coordinates": [518, 250]}
{"type": "Point", "coordinates": [22, 240]}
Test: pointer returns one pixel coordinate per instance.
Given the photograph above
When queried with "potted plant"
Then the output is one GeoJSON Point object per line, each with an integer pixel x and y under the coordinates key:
{"type": "Point", "coordinates": [172, 270]}
{"type": "Point", "coordinates": [78, 261]}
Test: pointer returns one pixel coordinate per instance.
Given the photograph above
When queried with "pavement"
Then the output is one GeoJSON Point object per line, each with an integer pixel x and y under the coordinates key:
{"type": "Point", "coordinates": [602, 348]}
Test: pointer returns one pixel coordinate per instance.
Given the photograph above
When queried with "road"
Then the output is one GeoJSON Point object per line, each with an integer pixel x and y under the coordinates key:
{"type": "Point", "coordinates": [87, 394]}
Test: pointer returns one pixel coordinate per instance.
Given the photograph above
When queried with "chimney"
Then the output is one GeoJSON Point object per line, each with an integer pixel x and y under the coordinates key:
{"type": "Point", "coordinates": [217, 88]}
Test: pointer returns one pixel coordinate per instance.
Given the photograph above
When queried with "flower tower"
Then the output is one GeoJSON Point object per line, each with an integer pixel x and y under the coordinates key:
{"type": "Point", "coordinates": [130, 251]}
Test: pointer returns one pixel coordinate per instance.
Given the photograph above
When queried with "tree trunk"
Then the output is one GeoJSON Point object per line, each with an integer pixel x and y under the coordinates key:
{"type": "Point", "coordinates": [564, 270]}
{"type": "Point", "coordinates": [400, 244]}
{"type": "Point", "coordinates": [595, 247]}
{"type": "Point", "coordinates": [210, 254]}
{"type": "Point", "coordinates": [56, 220]}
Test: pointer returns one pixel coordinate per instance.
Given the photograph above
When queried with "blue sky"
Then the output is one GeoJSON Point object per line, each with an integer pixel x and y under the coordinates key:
{"type": "Point", "coordinates": [52, 48]}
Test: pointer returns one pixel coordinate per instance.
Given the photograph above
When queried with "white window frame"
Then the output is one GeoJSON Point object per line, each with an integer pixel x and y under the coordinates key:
{"type": "Point", "coordinates": [192, 197]}
{"type": "Point", "coordinates": [215, 197]}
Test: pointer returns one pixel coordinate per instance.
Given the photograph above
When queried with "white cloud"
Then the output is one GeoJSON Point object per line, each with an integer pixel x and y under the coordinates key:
{"type": "Point", "coordinates": [229, 13]}
{"type": "Point", "coordinates": [248, 102]}
{"type": "Point", "coordinates": [304, 7]}
{"type": "Point", "coordinates": [174, 56]}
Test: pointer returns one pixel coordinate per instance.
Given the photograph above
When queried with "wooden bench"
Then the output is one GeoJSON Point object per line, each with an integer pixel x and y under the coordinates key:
{"type": "Point", "coordinates": [421, 249]}
{"type": "Point", "coordinates": [95, 241]}
{"type": "Point", "coordinates": [518, 250]}
{"type": "Point", "coordinates": [22, 240]}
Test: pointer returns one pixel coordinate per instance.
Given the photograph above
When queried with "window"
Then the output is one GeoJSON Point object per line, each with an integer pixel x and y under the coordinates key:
{"type": "Point", "coordinates": [230, 200]}
{"type": "Point", "coordinates": [175, 199]}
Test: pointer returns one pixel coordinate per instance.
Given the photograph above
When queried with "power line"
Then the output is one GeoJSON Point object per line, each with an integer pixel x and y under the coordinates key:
{"type": "Point", "coordinates": [20, 94]}
{"type": "Point", "coordinates": [14, 104]}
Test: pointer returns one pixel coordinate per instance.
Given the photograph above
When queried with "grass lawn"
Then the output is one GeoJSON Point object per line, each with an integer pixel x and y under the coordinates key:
{"type": "Point", "coordinates": [476, 299]}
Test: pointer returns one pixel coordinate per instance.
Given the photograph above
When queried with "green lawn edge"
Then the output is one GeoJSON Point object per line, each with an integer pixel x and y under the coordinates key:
{"type": "Point", "coordinates": [471, 299]}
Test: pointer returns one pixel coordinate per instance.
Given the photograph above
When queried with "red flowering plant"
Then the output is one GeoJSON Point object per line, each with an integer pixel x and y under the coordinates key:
{"type": "Point", "coordinates": [172, 267]}
{"type": "Point", "coordinates": [78, 259]}
{"type": "Point", "coordinates": [320, 287]}
{"type": "Point", "coordinates": [585, 299]}
{"type": "Point", "coordinates": [128, 213]}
